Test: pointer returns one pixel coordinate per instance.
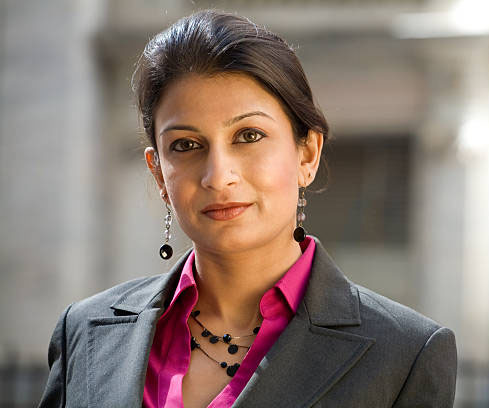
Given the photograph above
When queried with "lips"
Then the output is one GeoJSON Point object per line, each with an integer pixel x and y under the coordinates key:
{"type": "Point", "coordinates": [225, 211]}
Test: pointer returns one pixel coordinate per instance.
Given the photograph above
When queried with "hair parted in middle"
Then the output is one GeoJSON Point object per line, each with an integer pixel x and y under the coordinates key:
{"type": "Point", "coordinates": [211, 42]}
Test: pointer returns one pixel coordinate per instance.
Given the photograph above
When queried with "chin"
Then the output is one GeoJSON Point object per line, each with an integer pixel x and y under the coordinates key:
{"type": "Point", "coordinates": [228, 241]}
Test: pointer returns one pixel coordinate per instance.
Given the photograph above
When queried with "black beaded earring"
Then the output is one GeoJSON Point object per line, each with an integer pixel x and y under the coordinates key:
{"type": "Point", "coordinates": [299, 232]}
{"type": "Point", "coordinates": [166, 251]}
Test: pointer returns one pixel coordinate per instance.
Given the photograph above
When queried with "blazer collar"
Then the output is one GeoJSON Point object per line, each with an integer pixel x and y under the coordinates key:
{"type": "Point", "coordinates": [155, 294]}
{"type": "Point", "coordinates": [330, 299]}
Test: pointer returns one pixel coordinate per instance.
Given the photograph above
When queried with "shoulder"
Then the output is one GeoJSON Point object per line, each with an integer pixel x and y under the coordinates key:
{"type": "Point", "coordinates": [381, 313]}
{"type": "Point", "coordinates": [418, 356]}
{"type": "Point", "coordinates": [100, 303]}
{"type": "Point", "coordinates": [74, 323]}
{"type": "Point", "coordinates": [332, 299]}
{"type": "Point", "coordinates": [127, 298]}
{"type": "Point", "coordinates": [131, 297]}
{"type": "Point", "coordinates": [401, 332]}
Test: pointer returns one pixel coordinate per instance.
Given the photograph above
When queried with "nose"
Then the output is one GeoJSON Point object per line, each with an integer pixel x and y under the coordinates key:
{"type": "Point", "coordinates": [220, 170]}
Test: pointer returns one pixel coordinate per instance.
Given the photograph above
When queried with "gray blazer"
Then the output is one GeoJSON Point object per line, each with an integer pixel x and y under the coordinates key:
{"type": "Point", "coordinates": [346, 347]}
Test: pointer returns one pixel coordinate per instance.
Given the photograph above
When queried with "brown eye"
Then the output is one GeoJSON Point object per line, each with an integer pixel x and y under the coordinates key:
{"type": "Point", "coordinates": [184, 145]}
{"type": "Point", "coordinates": [250, 136]}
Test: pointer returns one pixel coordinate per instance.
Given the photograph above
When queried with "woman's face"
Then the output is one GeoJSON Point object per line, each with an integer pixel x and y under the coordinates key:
{"type": "Point", "coordinates": [221, 140]}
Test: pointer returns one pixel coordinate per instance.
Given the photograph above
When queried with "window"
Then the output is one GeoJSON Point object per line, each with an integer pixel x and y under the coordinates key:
{"type": "Point", "coordinates": [367, 200]}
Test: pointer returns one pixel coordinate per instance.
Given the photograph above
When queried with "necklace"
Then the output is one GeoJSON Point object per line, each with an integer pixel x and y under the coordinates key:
{"type": "Point", "coordinates": [213, 339]}
{"type": "Point", "coordinates": [226, 338]}
{"type": "Point", "coordinates": [230, 369]}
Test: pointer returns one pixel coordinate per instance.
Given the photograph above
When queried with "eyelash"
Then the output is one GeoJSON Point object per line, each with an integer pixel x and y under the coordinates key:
{"type": "Point", "coordinates": [245, 131]}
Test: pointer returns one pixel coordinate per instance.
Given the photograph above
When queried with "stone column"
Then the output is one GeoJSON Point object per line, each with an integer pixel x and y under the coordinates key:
{"type": "Point", "coordinates": [48, 139]}
{"type": "Point", "coordinates": [452, 200]}
{"type": "Point", "coordinates": [473, 147]}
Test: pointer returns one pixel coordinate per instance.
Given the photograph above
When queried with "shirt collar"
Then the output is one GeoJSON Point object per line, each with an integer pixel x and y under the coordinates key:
{"type": "Point", "coordinates": [186, 278]}
{"type": "Point", "coordinates": [292, 284]}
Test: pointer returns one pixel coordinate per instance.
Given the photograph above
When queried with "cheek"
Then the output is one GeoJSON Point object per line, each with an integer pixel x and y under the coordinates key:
{"type": "Point", "coordinates": [182, 192]}
{"type": "Point", "coordinates": [178, 184]}
{"type": "Point", "coordinates": [276, 172]}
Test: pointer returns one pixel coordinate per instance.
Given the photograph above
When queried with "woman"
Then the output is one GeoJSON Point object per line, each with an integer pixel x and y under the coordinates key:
{"type": "Point", "coordinates": [256, 314]}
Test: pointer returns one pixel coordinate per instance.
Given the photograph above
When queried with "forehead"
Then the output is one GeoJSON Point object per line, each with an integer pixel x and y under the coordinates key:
{"type": "Point", "coordinates": [218, 97]}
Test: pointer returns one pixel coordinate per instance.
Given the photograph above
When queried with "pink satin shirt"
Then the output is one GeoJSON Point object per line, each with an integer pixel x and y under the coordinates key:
{"type": "Point", "coordinates": [170, 353]}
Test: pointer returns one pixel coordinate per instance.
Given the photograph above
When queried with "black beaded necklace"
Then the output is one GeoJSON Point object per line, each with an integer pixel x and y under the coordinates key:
{"type": "Point", "coordinates": [213, 339]}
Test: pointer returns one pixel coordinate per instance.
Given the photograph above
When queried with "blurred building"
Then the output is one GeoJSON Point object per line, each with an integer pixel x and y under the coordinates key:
{"type": "Point", "coordinates": [404, 85]}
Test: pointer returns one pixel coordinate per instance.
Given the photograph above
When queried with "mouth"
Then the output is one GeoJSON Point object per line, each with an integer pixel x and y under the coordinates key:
{"type": "Point", "coordinates": [227, 211]}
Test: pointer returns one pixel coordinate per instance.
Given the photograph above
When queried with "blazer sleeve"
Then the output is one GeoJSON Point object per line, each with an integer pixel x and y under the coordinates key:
{"type": "Point", "coordinates": [55, 392]}
{"type": "Point", "coordinates": [431, 381]}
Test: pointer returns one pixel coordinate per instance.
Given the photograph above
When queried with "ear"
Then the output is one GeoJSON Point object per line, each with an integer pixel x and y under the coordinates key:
{"type": "Point", "coordinates": [153, 163]}
{"type": "Point", "coordinates": [310, 157]}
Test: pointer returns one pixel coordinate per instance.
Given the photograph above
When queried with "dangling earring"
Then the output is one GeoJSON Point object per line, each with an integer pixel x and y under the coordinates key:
{"type": "Point", "coordinates": [299, 232]}
{"type": "Point", "coordinates": [166, 251]}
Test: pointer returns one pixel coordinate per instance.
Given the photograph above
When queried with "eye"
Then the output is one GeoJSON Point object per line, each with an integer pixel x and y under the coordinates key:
{"type": "Point", "coordinates": [184, 145]}
{"type": "Point", "coordinates": [250, 136]}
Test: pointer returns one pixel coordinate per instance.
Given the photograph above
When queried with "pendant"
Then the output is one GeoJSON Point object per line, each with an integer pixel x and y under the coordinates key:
{"type": "Point", "coordinates": [233, 349]}
{"type": "Point", "coordinates": [166, 251]}
{"type": "Point", "coordinates": [231, 370]}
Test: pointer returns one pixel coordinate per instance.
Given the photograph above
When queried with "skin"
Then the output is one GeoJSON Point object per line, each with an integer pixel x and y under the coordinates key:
{"type": "Point", "coordinates": [252, 159]}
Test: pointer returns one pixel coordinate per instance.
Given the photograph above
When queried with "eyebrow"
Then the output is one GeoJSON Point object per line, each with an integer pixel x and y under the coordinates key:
{"type": "Point", "coordinates": [245, 115]}
{"type": "Point", "coordinates": [227, 123]}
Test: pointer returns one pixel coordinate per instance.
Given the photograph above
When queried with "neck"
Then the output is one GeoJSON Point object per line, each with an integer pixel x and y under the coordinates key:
{"type": "Point", "coordinates": [231, 285]}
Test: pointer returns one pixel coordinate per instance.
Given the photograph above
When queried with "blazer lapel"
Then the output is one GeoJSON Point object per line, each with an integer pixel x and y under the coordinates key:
{"type": "Point", "coordinates": [118, 347]}
{"type": "Point", "coordinates": [117, 357]}
{"type": "Point", "coordinates": [312, 354]}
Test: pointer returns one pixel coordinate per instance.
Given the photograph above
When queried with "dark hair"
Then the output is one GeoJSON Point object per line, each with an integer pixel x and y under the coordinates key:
{"type": "Point", "coordinates": [211, 42]}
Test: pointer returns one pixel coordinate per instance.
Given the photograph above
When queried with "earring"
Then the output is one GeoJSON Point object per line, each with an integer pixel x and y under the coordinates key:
{"type": "Point", "coordinates": [299, 232]}
{"type": "Point", "coordinates": [166, 251]}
